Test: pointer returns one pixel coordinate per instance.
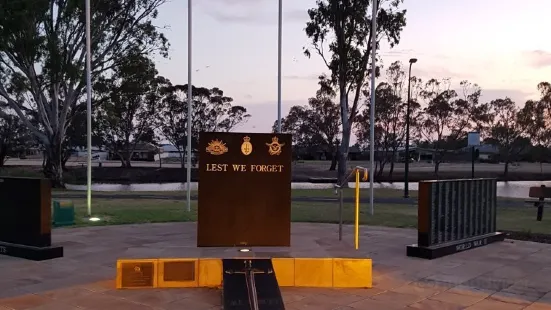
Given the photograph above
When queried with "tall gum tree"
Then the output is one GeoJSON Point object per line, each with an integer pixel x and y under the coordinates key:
{"type": "Point", "coordinates": [340, 33]}
{"type": "Point", "coordinates": [212, 111]}
{"type": "Point", "coordinates": [43, 53]}
{"type": "Point", "coordinates": [315, 125]}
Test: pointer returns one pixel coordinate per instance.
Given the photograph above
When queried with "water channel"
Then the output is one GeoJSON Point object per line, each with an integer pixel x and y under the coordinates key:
{"type": "Point", "coordinates": [515, 189]}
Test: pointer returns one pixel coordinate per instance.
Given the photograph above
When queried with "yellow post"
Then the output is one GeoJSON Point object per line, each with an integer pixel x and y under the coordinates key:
{"type": "Point", "coordinates": [357, 211]}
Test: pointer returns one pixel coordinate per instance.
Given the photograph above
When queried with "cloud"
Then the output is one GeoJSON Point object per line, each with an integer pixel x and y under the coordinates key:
{"type": "Point", "coordinates": [397, 52]}
{"type": "Point", "coordinates": [309, 77]}
{"type": "Point", "coordinates": [264, 114]}
{"type": "Point", "coordinates": [439, 72]}
{"type": "Point", "coordinates": [254, 12]}
{"type": "Point", "coordinates": [295, 16]}
{"type": "Point", "coordinates": [538, 58]}
{"type": "Point", "coordinates": [518, 96]}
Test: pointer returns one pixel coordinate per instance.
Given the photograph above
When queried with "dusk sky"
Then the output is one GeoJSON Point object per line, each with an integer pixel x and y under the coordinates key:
{"type": "Point", "coordinates": [500, 44]}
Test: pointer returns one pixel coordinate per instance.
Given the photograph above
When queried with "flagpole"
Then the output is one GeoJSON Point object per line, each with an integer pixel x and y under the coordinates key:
{"type": "Point", "coordinates": [189, 96]}
{"type": "Point", "coordinates": [279, 41]}
{"type": "Point", "coordinates": [372, 114]}
{"type": "Point", "coordinates": [88, 110]}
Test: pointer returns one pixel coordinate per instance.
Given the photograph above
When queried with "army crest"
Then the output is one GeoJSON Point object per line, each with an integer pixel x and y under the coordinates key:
{"type": "Point", "coordinates": [217, 147]}
{"type": "Point", "coordinates": [274, 148]}
{"type": "Point", "coordinates": [246, 146]}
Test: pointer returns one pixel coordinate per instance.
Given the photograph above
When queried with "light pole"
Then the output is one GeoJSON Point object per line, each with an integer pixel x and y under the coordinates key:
{"type": "Point", "coordinates": [88, 110]}
{"type": "Point", "coordinates": [189, 107]}
{"type": "Point", "coordinates": [406, 175]}
{"type": "Point", "coordinates": [279, 35]}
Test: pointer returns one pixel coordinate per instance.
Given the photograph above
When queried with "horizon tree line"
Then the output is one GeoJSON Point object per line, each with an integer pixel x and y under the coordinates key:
{"type": "Point", "coordinates": [441, 118]}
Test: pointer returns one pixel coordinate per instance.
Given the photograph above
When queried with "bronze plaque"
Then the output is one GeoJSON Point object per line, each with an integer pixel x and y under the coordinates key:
{"type": "Point", "coordinates": [138, 275]}
{"type": "Point", "coordinates": [179, 271]}
{"type": "Point", "coordinates": [244, 189]}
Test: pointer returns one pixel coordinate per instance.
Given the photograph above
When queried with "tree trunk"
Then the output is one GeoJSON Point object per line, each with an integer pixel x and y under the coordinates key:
{"type": "Point", "coordinates": [53, 168]}
{"type": "Point", "coordinates": [436, 166]}
{"type": "Point", "coordinates": [183, 165]}
{"type": "Point", "coordinates": [380, 169]}
{"type": "Point", "coordinates": [506, 171]}
{"type": "Point", "coordinates": [392, 164]}
{"type": "Point", "coordinates": [3, 153]}
{"type": "Point", "coordinates": [125, 161]}
{"type": "Point", "coordinates": [345, 141]}
{"type": "Point", "coordinates": [334, 159]}
{"type": "Point", "coordinates": [65, 159]}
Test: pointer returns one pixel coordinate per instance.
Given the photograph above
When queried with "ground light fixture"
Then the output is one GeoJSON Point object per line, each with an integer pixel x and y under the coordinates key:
{"type": "Point", "coordinates": [94, 219]}
{"type": "Point", "coordinates": [244, 250]}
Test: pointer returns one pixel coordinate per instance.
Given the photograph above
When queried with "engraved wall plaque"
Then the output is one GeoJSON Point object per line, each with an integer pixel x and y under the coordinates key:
{"type": "Point", "coordinates": [138, 275]}
{"type": "Point", "coordinates": [179, 271]}
{"type": "Point", "coordinates": [452, 210]}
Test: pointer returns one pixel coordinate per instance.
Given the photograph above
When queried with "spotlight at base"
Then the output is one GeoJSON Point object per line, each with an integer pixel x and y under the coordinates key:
{"type": "Point", "coordinates": [244, 250]}
{"type": "Point", "coordinates": [94, 219]}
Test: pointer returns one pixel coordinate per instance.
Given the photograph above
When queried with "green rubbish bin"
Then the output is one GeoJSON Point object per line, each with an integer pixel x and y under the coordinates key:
{"type": "Point", "coordinates": [63, 213]}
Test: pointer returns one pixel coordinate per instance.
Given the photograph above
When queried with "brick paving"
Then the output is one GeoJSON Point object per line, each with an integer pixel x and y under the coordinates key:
{"type": "Point", "coordinates": [505, 275]}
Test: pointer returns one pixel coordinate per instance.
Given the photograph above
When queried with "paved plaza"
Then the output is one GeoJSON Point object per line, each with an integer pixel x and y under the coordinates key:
{"type": "Point", "coordinates": [502, 276]}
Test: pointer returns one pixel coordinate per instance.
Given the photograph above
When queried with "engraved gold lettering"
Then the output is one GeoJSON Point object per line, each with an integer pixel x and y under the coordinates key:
{"type": "Point", "coordinates": [266, 168]}
{"type": "Point", "coordinates": [240, 168]}
{"type": "Point", "coordinates": [217, 167]}
{"type": "Point", "coordinates": [243, 168]}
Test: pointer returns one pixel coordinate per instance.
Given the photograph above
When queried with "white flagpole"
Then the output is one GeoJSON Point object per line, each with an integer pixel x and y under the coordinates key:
{"type": "Point", "coordinates": [189, 95]}
{"type": "Point", "coordinates": [89, 110]}
{"type": "Point", "coordinates": [372, 114]}
{"type": "Point", "coordinates": [279, 35]}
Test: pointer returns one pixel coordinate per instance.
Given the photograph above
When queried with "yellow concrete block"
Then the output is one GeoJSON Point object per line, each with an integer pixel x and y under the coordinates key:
{"type": "Point", "coordinates": [136, 273]}
{"type": "Point", "coordinates": [313, 272]}
{"type": "Point", "coordinates": [284, 269]}
{"type": "Point", "coordinates": [178, 272]}
{"type": "Point", "coordinates": [210, 272]}
{"type": "Point", "coordinates": [356, 273]}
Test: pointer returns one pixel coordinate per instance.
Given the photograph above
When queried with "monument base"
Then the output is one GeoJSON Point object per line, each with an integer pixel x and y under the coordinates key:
{"type": "Point", "coordinates": [448, 248]}
{"type": "Point", "coordinates": [30, 252]}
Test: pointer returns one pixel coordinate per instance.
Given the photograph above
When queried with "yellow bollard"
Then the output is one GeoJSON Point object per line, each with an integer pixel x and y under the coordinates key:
{"type": "Point", "coordinates": [357, 211]}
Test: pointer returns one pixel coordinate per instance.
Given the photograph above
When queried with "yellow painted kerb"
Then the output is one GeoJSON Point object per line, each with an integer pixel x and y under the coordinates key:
{"type": "Point", "coordinates": [290, 272]}
{"type": "Point", "coordinates": [210, 272]}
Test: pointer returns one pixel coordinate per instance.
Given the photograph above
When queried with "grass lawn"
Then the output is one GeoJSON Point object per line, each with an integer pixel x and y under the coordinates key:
{"type": "Point", "coordinates": [130, 211]}
{"type": "Point", "coordinates": [329, 193]}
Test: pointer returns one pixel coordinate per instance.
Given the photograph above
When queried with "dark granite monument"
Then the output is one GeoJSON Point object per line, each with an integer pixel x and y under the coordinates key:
{"type": "Point", "coordinates": [454, 216]}
{"type": "Point", "coordinates": [244, 189]}
{"type": "Point", "coordinates": [26, 219]}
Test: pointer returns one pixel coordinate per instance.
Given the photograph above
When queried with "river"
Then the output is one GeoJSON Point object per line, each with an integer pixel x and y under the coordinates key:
{"type": "Point", "coordinates": [516, 189]}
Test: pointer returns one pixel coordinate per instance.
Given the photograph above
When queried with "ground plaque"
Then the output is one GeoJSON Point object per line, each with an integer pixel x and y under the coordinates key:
{"type": "Point", "coordinates": [244, 189]}
{"type": "Point", "coordinates": [454, 216]}
{"type": "Point", "coordinates": [25, 219]}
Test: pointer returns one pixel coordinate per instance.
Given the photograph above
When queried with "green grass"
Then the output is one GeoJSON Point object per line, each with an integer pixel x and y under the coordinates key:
{"type": "Point", "coordinates": [136, 211]}
{"type": "Point", "coordinates": [320, 193]}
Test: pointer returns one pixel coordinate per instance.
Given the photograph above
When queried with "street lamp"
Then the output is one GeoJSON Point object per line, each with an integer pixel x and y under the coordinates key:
{"type": "Point", "coordinates": [406, 175]}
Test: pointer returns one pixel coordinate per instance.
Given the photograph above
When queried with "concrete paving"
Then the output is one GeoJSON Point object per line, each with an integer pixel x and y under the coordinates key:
{"type": "Point", "coordinates": [505, 275]}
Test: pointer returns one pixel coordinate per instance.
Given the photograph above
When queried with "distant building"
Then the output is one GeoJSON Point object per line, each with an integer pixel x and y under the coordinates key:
{"type": "Point", "coordinates": [169, 151]}
{"type": "Point", "coordinates": [80, 153]}
{"type": "Point", "coordinates": [142, 152]}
